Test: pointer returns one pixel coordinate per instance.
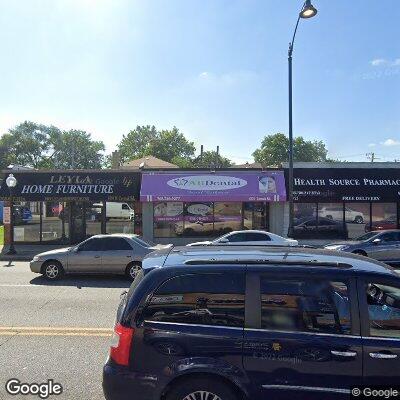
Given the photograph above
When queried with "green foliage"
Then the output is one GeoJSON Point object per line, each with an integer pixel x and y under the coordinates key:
{"type": "Point", "coordinates": [210, 159]}
{"type": "Point", "coordinates": [168, 145]}
{"type": "Point", "coordinates": [275, 149]}
{"type": "Point", "coordinates": [1, 235]}
{"type": "Point", "coordinates": [76, 149]}
{"type": "Point", "coordinates": [40, 146]}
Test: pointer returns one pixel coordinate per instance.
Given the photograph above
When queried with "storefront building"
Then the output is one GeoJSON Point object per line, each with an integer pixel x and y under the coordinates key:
{"type": "Point", "coordinates": [66, 207]}
{"type": "Point", "coordinates": [345, 200]}
{"type": "Point", "coordinates": [180, 207]}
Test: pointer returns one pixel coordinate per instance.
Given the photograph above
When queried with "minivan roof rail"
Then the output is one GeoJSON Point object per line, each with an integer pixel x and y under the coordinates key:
{"type": "Point", "coordinates": [308, 263]}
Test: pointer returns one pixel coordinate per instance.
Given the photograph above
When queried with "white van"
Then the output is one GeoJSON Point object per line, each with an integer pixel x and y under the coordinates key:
{"type": "Point", "coordinates": [116, 210]}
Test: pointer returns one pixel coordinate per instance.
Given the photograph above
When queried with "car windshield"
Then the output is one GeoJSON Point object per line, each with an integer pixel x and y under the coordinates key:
{"type": "Point", "coordinates": [367, 236]}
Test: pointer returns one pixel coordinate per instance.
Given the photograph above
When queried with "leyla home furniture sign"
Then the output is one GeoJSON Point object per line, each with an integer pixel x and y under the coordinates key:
{"type": "Point", "coordinates": [346, 184]}
{"type": "Point", "coordinates": [206, 186]}
{"type": "Point", "coordinates": [36, 186]}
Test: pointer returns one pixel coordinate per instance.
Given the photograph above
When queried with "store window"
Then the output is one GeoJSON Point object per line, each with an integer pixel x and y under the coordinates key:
{"type": "Point", "coordinates": [205, 299]}
{"type": "Point", "coordinates": [357, 216]}
{"type": "Point", "coordinates": [255, 216]}
{"type": "Point", "coordinates": [198, 219]}
{"type": "Point", "coordinates": [384, 216]}
{"type": "Point", "coordinates": [305, 305]}
{"type": "Point", "coordinates": [120, 217]}
{"type": "Point", "coordinates": [55, 226]}
{"type": "Point", "coordinates": [305, 220]}
{"type": "Point", "coordinates": [227, 217]}
{"type": "Point", "coordinates": [27, 221]}
{"type": "Point", "coordinates": [92, 219]}
{"type": "Point", "coordinates": [168, 219]}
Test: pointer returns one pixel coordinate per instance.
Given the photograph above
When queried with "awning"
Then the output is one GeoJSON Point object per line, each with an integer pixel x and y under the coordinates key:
{"type": "Point", "coordinates": [206, 186]}
{"type": "Point", "coordinates": [72, 185]}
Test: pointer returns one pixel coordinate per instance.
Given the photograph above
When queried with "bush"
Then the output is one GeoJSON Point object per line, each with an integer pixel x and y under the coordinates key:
{"type": "Point", "coordinates": [1, 235]}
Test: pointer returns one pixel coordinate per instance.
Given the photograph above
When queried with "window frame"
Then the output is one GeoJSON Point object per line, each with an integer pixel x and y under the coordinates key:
{"type": "Point", "coordinates": [141, 321]}
{"type": "Point", "coordinates": [91, 239]}
{"type": "Point", "coordinates": [364, 313]}
{"type": "Point", "coordinates": [253, 308]}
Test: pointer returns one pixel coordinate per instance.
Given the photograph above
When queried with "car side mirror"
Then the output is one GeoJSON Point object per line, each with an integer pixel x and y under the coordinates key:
{"type": "Point", "coordinates": [224, 240]}
{"type": "Point", "coordinates": [377, 241]}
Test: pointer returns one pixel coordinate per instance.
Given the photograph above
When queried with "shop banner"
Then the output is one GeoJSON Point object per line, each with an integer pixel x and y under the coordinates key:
{"type": "Point", "coordinates": [222, 186]}
{"type": "Point", "coordinates": [346, 184]}
{"type": "Point", "coordinates": [79, 185]}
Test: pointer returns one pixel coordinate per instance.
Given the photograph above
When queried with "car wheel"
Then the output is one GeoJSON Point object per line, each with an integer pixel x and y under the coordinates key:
{"type": "Point", "coordinates": [359, 219]}
{"type": "Point", "coordinates": [329, 217]}
{"type": "Point", "coordinates": [52, 270]}
{"type": "Point", "coordinates": [132, 270]}
{"type": "Point", "coordinates": [200, 389]}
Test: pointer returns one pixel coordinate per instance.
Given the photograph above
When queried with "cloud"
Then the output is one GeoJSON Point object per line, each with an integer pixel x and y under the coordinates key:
{"type": "Point", "coordinates": [391, 142]}
{"type": "Point", "coordinates": [228, 78]}
{"type": "Point", "coordinates": [383, 62]}
{"type": "Point", "coordinates": [372, 145]}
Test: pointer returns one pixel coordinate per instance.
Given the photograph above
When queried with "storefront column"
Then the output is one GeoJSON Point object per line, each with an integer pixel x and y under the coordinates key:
{"type": "Point", "coordinates": [147, 221]}
{"type": "Point", "coordinates": [279, 218]}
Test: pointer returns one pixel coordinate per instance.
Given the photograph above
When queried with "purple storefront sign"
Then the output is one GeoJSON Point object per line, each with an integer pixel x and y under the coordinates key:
{"type": "Point", "coordinates": [224, 186]}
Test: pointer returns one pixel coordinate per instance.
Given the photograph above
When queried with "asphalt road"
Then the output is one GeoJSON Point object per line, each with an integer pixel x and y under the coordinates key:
{"type": "Point", "coordinates": [58, 331]}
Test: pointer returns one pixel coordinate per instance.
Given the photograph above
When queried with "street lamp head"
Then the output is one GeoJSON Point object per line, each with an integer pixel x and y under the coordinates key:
{"type": "Point", "coordinates": [11, 181]}
{"type": "Point", "coordinates": [308, 10]}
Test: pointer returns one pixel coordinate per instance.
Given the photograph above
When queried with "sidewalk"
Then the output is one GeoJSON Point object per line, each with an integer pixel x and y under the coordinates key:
{"type": "Point", "coordinates": [26, 252]}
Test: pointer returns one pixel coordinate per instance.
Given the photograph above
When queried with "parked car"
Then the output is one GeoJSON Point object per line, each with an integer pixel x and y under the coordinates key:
{"type": "Point", "coordinates": [112, 254]}
{"type": "Point", "coordinates": [254, 323]}
{"type": "Point", "coordinates": [116, 210]}
{"type": "Point", "coordinates": [249, 237]}
{"type": "Point", "coordinates": [324, 227]}
{"type": "Point", "coordinates": [380, 245]}
{"type": "Point", "coordinates": [384, 224]}
{"type": "Point", "coordinates": [336, 213]}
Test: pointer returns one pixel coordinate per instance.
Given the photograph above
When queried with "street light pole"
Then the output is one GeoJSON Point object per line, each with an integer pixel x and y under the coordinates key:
{"type": "Point", "coordinates": [11, 182]}
{"type": "Point", "coordinates": [307, 11]}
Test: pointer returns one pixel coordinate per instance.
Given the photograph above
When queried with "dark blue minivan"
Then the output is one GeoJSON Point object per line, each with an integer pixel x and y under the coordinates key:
{"type": "Point", "coordinates": [218, 323]}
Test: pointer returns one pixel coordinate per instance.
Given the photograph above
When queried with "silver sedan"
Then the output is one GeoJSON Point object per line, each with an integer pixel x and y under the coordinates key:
{"type": "Point", "coordinates": [109, 254]}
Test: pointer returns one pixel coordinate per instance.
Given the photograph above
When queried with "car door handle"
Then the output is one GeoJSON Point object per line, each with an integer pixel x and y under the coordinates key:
{"type": "Point", "coordinates": [343, 353]}
{"type": "Point", "coordinates": [96, 256]}
{"type": "Point", "coordinates": [385, 356]}
{"type": "Point", "coordinates": [128, 256]}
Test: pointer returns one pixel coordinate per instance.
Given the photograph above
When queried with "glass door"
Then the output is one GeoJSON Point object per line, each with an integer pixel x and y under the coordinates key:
{"type": "Point", "coordinates": [77, 221]}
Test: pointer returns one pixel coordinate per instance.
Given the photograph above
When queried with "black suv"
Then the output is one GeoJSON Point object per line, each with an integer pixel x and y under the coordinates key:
{"type": "Point", "coordinates": [220, 323]}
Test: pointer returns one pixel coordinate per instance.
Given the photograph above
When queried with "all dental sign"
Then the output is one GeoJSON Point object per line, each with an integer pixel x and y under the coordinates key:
{"type": "Point", "coordinates": [207, 183]}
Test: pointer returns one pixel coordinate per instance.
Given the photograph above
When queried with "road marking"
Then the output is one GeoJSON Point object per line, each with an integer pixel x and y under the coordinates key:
{"type": "Point", "coordinates": [54, 331]}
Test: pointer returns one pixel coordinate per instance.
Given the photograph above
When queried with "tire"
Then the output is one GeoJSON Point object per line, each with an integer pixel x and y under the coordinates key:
{"type": "Point", "coordinates": [52, 270]}
{"type": "Point", "coordinates": [195, 388]}
{"type": "Point", "coordinates": [358, 219]}
{"type": "Point", "coordinates": [132, 270]}
{"type": "Point", "coordinates": [329, 217]}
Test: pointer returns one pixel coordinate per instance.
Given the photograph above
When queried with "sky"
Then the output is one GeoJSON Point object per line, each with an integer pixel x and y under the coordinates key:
{"type": "Point", "coordinates": [216, 69]}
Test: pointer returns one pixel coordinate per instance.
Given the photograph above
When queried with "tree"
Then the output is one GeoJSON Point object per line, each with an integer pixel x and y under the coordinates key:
{"type": "Point", "coordinates": [75, 149]}
{"type": "Point", "coordinates": [27, 144]}
{"type": "Point", "coordinates": [168, 145]}
{"type": "Point", "coordinates": [211, 159]}
{"type": "Point", "coordinates": [135, 143]}
{"type": "Point", "coordinates": [41, 146]}
{"type": "Point", "coordinates": [275, 149]}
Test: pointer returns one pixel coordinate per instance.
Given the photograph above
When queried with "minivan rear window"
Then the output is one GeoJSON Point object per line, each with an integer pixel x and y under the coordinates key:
{"type": "Point", "coordinates": [205, 299]}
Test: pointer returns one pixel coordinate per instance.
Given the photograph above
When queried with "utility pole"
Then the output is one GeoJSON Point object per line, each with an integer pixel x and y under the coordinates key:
{"type": "Point", "coordinates": [372, 157]}
{"type": "Point", "coordinates": [217, 158]}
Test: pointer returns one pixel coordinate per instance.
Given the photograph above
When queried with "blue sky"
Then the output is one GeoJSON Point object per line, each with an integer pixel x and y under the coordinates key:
{"type": "Point", "coordinates": [216, 69]}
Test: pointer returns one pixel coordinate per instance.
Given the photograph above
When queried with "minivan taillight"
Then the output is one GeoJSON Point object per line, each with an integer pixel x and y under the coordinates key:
{"type": "Point", "coordinates": [120, 351]}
